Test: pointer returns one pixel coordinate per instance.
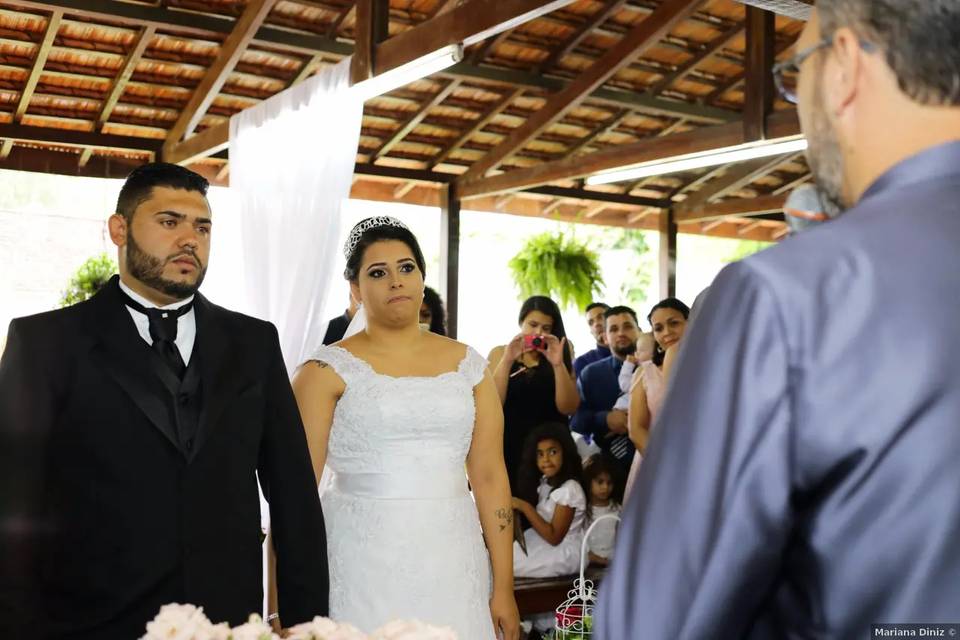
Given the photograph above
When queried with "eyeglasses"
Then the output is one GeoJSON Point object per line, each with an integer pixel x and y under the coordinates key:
{"type": "Point", "coordinates": [785, 73]}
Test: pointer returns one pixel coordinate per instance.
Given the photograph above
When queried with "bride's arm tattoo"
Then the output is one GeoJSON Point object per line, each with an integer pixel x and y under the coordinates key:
{"type": "Point", "coordinates": [322, 364]}
{"type": "Point", "coordinates": [505, 517]}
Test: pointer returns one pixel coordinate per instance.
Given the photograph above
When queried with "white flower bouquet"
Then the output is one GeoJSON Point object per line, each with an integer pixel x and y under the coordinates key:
{"type": "Point", "coordinates": [187, 622]}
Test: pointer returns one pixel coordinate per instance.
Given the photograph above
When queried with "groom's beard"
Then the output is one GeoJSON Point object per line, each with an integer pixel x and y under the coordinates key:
{"type": "Point", "coordinates": [148, 269]}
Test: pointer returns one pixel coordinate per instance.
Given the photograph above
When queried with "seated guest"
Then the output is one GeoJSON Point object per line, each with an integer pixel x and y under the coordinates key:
{"type": "Point", "coordinates": [549, 477]}
{"type": "Point", "coordinates": [534, 376]}
{"type": "Point", "coordinates": [602, 482]}
{"type": "Point", "coordinates": [432, 316]}
{"type": "Point", "coordinates": [594, 311]}
{"type": "Point", "coordinates": [599, 389]}
{"type": "Point", "coordinates": [337, 327]}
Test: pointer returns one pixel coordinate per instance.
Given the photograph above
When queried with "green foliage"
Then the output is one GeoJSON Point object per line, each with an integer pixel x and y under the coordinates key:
{"type": "Point", "coordinates": [558, 266]}
{"type": "Point", "coordinates": [93, 274]}
{"type": "Point", "coordinates": [636, 284]}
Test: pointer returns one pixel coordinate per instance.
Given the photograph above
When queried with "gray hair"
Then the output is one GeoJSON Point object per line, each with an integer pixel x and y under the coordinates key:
{"type": "Point", "coordinates": [920, 39]}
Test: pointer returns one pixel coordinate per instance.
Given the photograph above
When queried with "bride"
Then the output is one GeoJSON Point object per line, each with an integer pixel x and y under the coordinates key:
{"type": "Point", "coordinates": [402, 417]}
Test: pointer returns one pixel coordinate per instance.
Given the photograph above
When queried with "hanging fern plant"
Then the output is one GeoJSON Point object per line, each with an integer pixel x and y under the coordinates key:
{"type": "Point", "coordinates": [558, 266]}
{"type": "Point", "coordinates": [92, 274]}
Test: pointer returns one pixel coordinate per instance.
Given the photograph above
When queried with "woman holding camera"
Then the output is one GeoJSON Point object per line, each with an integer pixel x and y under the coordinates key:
{"type": "Point", "coordinates": [534, 377]}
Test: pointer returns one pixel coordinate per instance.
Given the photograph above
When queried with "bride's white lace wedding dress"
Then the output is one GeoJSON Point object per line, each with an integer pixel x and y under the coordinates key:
{"type": "Point", "coordinates": [403, 533]}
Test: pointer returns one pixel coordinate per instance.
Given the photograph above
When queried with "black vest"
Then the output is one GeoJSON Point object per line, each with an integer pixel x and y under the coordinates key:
{"type": "Point", "coordinates": [183, 398]}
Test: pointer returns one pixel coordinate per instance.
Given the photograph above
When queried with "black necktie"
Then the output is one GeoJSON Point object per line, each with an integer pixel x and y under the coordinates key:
{"type": "Point", "coordinates": [163, 331]}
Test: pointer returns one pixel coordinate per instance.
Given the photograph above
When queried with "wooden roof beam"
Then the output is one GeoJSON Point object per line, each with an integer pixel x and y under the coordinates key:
{"type": "Point", "coordinates": [575, 38]}
{"type": "Point", "coordinates": [495, 110]}
{"type": "Point", "coordinates": [126, 71]}
{"type": "Point", "coordinates": [470, 22]}
{"type": "Point", "coordinates": [709, 49]}
{"type": "Point", "coordinates": [735, 178]}
{"type": "Point", "coordinates": [632, 45]}
{"type": "Point", "coordinates": [703, 139]}
{"type": "Point", "coordinates": [43, 50]}
{"type": "Point", "coordinates": [415, 120]}
{"type": "Point", "coordinates": [233, 47]}
{"type": "Point", "coordinates": [74, 138]}
{"type": "Point", "coordinates": [744, 207]}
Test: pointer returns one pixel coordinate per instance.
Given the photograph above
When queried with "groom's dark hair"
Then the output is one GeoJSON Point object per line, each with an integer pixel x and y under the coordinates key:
{"type": "Point", "coordinates": [139, 185]}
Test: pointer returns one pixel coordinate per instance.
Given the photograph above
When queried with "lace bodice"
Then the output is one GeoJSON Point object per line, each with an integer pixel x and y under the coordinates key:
{"type": "Point", "coordinates": [382, 423]}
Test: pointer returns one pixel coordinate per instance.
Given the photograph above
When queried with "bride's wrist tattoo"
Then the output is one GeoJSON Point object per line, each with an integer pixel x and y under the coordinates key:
{"type": "Point", "coordinates": [505, 516]}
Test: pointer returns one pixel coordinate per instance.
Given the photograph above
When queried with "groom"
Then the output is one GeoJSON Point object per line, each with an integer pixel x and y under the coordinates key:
{"type": "Point", "coordinates": [133, 430]}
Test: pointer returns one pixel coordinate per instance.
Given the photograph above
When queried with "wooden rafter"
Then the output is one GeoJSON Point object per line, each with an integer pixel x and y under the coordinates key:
{"type": "Point", "coordinates": [443, 6]}
{"type": "Point", "coordinates": [39, 61]}
{"type": "Point", "coordinates": [233, 47]}
{"type": "Point", "coordinates": [307, 69]}
{"type": "Point", "coordinates": [646, 34]}
{"type": "Point", "coordinates": [703, 139]}
{"type": "Point", "coordinates": [606, 127]}
{"type": "Point", "coordinates": [5, 149]}
{"type": "Point", "coordinates": [727, 208]}
{"type": "Point", "coordinates": [734, 179]}
{"type": "Point", "coordinates": [709, 49]}
{"type": "Point", "coordinates": [793, 184]}
{"type": "Point", "coordinates": [373, 21]}
{"type": "Point", "coordinates": [343, 17]}
{"type": "Point", "coordinates": [574, 39]}
{"type": "Point", "coordinates": [750, 226]}
{"type": "Point", "coordinates": [496, 109]}
{"type": "Point", "coordinates": [464, 23]}
{"type": "Point", "coordinates": [733, 81]}
{"type": "Point", "coordinates": [415, 120]}
{"type": "Point", "coordinates": [126, 71]}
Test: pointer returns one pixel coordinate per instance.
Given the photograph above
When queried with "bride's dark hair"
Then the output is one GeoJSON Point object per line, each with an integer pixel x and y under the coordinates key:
{"type": "Point", "coordinates": [380, 233]}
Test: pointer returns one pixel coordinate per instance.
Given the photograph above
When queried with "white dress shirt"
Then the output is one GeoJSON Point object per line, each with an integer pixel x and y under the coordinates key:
{"type": "Point", "coordinates": [186, 324]}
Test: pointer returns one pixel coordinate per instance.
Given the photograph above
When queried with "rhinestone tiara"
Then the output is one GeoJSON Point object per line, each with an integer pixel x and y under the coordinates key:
{"type": "Point", "coordinates": [365, 225]}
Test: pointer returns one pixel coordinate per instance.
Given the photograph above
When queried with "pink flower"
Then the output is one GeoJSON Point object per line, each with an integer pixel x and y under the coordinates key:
{"type": "Point", "coordinates": [412, 630]}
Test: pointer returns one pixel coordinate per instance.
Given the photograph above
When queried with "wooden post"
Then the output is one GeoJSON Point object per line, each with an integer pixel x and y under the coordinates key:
{"type": "Point", "coordinates": [668, 254]}
{"type": "Point", "coordinates": [450, 254]}
{"type": "Point", "coordinates": [372, 19]}
{"type": "Point", "coordinates": [758, 67]}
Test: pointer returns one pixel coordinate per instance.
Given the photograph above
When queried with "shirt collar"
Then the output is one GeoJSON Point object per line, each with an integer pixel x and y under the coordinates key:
{"type": "Point", "coordinates": [147, 303]}
{"type": "Point", "coordinates": [936, 162]}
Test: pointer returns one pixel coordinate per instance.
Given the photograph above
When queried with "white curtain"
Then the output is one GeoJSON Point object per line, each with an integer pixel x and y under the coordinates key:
{"type": "Point", "coordinates": [291, 168]}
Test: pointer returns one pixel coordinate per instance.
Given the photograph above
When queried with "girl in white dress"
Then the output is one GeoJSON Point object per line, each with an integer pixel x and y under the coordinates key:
{"type": "Point", "coordinates": [398, 413]}
{"type": "Point", "coordinates": [603, 483]}
{"type": "Point", "coordinates": [550, 475]}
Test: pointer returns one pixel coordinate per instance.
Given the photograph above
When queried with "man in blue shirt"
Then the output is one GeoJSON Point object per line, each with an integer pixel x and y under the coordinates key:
{"type": "Point", "coordinates": [594, 311]}
{"type": "Point", "coordinates": [600, 388]}
{"type": "Point", "coordinates": [802, 479]}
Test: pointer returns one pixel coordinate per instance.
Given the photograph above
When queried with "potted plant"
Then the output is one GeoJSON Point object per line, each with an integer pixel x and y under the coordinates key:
{"type": "Point", "coordinates": [558, 266]}
{"type": "Point", "coordinates": [89, 278]}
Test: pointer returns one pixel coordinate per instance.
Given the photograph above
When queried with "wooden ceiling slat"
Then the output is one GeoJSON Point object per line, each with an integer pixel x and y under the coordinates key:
{"type": "Point", "coordinates": [703, 139]}
{"type": "Point", "coordinates": [129, 66]}
{"type": "Point", "coordinates": [632, 45]}
{"type": "Point", "coordinates": [483, 121]}
{"type": "Point", "coordinates": [709, 49]}
{"type": "Point", "coordinates": [246, 27]}
{"type": "Point", "coordinates": [415, 120]}
{"type": "Point", "coordinates": [53, 25]}
{"type": "Point", "coordinates": [575, 38]}
{"type": "Point", "coordinates": [727, 208]}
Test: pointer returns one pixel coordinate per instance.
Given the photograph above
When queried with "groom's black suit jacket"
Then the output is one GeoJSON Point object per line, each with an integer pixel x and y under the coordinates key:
{"type": "Point", "coordinates": [107, 511]}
